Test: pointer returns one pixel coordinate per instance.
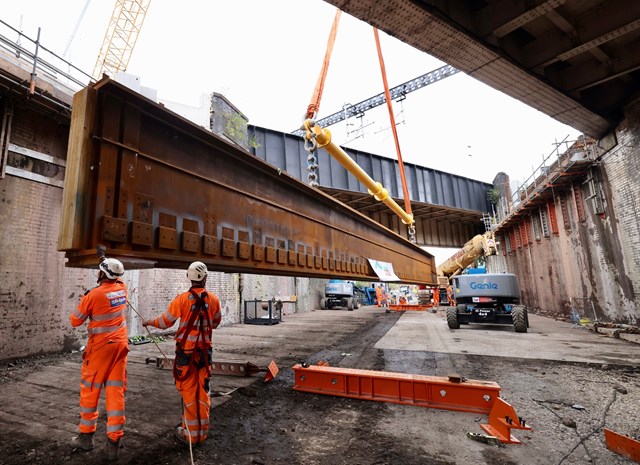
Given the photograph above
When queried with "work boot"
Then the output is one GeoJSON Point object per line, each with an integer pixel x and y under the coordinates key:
{"type": "Point", "coordinates": [180, 435]}
{"type": "Point", "coordinates": [83, 441]}
{"type": "Point", "coordinates": [113, 449]}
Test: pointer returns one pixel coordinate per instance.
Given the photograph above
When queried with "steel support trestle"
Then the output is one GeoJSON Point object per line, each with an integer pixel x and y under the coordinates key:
{"type": "Point", "coordinates": [623, 445]}
{"type": "Point", "coordinates": [447, 393]}
{"type": "Point", "coordinates": [400, 388]}
{"type": "Point", "coordinates": [403, 307]}
{"type": "Point", "coordinates": [225, 368]}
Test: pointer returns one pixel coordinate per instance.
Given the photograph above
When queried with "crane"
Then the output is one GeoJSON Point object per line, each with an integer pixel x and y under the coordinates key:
{"type": "Point", "coordinates": [396, 92]}
{"type": "Point", "coordinates": [121, 36]}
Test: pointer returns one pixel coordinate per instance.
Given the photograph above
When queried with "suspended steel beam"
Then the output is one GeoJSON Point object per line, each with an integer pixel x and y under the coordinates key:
{"type": "Point", "coordinates": [396, 92]}
{"type": "Point", "coordinates": [160, 191]}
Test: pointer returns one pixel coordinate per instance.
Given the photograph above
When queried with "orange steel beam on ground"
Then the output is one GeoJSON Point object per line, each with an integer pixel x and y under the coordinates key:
{"type": "Point", "coordinates": [403, 307]}
{"type": "Point", "coordinates": [623, 445]}
{"type": "Point", "coordinates": [450, 393]}
{"type": "Point", "coordinates": [161, 192]}
{"type": "Point", "coordinates": [226, 368]}
{"type": "Point", "coordinates": [399, 388]}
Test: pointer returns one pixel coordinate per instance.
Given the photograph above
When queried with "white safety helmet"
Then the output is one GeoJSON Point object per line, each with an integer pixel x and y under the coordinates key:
{"type": "Point", "coordinates": [197, 271]}
{"type": "Point", "coordinates": [112, 268]}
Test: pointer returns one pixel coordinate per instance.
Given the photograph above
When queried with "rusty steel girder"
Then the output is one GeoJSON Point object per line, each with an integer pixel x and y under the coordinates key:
{"type": "Point", "coordinates": [160, 191]}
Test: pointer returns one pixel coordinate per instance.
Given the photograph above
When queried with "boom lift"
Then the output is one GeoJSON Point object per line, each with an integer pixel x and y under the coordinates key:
{"type": "Point", "coordinates": [481, 298]}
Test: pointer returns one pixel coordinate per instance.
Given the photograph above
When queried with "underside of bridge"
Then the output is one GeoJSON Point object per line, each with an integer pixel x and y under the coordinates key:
{"type": "Point", "coordinates": [436, 225]}
{"type": "Point", "coordinates": [575, 60]}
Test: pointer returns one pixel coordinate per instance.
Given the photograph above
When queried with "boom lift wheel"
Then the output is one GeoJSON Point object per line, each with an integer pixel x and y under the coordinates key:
{"type": "Point", "coordinates": [323, 304]}
{"type": "Point", "coordinates": [350, 304]}
{"type": "Point", "coordinates": [519, 316]}
{"type": "Point", "coordinates": [452, 318]}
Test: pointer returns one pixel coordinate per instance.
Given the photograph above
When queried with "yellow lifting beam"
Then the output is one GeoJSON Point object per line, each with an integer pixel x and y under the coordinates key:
{"type": "Point", "coordinates": [322, 138]}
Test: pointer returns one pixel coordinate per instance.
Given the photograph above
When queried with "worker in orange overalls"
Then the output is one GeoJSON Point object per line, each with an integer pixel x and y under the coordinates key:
{"type": "Point", "coordinates": [104, 360]}
{"type": "Point", "coordinates": [385, 298]}
{"type": "Point", "coordinates": [436, 297]}
{"type": "Point", "coordinates": [450, 298]}
{"type": "Point", "coordinates": [199, 313]}
{"type": "Point", "coordinates": [379, 293]}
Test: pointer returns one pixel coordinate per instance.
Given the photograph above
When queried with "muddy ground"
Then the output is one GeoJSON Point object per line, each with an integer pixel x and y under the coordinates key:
{"type": "Point", "coordinates": [269, 423]}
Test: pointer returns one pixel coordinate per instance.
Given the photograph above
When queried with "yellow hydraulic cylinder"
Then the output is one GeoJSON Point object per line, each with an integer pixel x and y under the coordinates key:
{"type": "Point", "coordinates": [323, 139]}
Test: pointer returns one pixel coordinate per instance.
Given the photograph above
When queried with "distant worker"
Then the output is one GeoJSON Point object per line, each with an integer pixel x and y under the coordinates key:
{"type": "Point", "coordinates": [385, 298]}
{"type": "Point", "coordinates": [436, 297]}
{"type": "Point", "coordinates": [450, 298]}
{"type": "Point", "coordinates": [104, 361]}
{"type": "Point", "coordinates": [403, 300]}
{"type": "Point", "coordinates": [199, 313]}
{"type": "Point", "coordinates": [379, 295]}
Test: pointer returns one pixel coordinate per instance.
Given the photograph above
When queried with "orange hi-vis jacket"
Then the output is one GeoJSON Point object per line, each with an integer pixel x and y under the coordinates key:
{"type": "Point", "coordinates": [180, 307]}
{"type": "Point", "coordinates": [105, 306]}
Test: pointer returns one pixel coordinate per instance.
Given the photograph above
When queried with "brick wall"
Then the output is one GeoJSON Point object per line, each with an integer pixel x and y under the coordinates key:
{"type": "Point", "coordinates": [591, 267]}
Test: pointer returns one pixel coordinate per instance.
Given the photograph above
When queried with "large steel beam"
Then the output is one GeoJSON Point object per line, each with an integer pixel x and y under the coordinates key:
{"type": "Point", "coordinates": [159, 191]}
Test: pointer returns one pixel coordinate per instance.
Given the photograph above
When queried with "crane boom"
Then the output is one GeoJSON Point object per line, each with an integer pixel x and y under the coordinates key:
{"type": "Point", "coordinates": [121, 36]}
{"type": "Point", "coordinates": [396, 92]}
{"type": "Point", "coordinates": [482, 244]}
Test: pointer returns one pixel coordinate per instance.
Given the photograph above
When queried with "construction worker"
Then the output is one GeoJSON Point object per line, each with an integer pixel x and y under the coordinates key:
{"type": "Point", "coordinates": [450, 298]}
{"type": "Point", "coordinates": [436, 297]}
{"type": "Point", "coordinates": [199, 313]}
{"type": "Point", "coordinates": [379, 295]}
{"type": "Point", "coordinates": [104, 360]}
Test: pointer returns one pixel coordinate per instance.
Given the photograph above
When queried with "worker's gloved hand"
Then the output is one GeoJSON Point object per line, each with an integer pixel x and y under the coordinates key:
{"type": "Point", "coordinates": [146, 323]}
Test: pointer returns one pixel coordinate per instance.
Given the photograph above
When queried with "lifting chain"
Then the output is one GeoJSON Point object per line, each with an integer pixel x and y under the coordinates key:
{"type": "Point", "coordinates": [311, 146]}
{"type": "Point", "coordinates": [412, 233]}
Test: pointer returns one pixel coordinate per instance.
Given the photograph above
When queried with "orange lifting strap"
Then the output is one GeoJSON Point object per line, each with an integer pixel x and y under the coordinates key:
{"type": "Point", "coordinates": [314, 105]}
{"type": "Point", "coordinates": [387, 95]}
{"type": "Point", "coordinates": [318, 137]}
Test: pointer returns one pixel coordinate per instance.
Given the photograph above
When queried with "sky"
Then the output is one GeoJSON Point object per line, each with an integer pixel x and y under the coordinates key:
{"type": "Point", "coordinates": [265, 56]}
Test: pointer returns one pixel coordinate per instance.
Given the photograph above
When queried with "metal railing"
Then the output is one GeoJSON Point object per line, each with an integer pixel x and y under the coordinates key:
{"type": "Point", "coordinates": [539, 176]}
{"type": "Point", "coordinates": [40, 59]}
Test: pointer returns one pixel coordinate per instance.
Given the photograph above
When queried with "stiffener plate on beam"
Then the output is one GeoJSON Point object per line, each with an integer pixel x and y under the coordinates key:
{"type": "Point", "coordinates": [160, 191]}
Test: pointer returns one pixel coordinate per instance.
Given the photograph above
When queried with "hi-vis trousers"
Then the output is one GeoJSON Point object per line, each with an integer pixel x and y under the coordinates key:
{"type": "Point", "coordinates": [195, 402]}
{"type": "Point", "coordinates": [104, 367]}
